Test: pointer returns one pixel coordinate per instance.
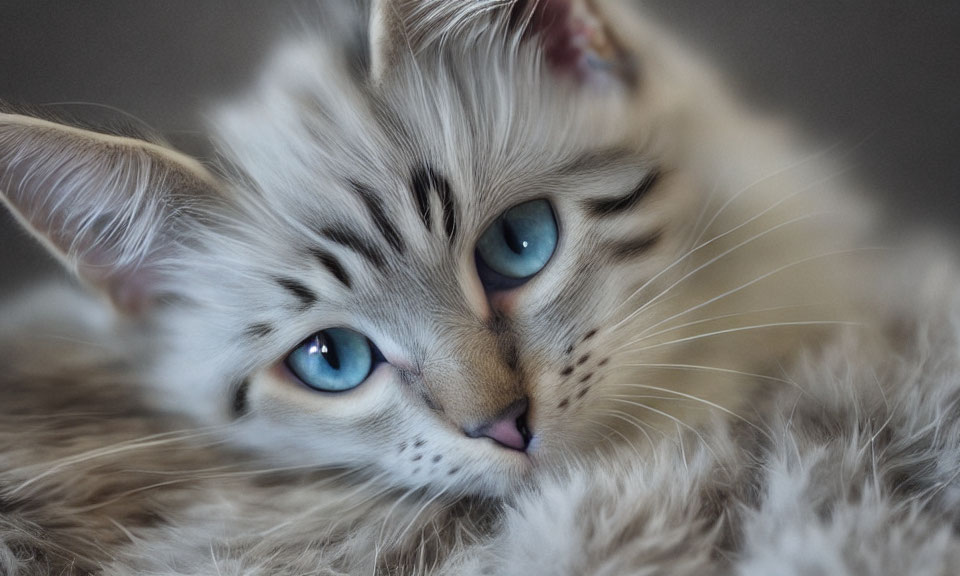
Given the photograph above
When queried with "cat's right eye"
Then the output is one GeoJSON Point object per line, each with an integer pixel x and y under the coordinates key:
{"type": "Point", "coordinates": [333, 360]}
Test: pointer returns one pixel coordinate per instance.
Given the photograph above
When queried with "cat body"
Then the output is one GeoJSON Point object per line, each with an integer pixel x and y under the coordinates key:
{"type": "Point", "coordinates": [652, 398]}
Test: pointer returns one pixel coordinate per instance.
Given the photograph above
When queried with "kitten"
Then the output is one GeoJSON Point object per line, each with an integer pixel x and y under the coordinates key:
{"type": "Point", "coordinates": [437, 272]}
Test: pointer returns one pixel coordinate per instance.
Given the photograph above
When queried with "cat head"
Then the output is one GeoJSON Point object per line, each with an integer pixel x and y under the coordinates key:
{"type": "Point", "coordinates": [499, 237]}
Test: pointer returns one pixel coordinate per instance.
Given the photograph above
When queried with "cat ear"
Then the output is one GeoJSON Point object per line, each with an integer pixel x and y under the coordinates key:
{"type": "Point", "coordinates": [575, 37]}
{"type": "Point", "coordinates": [111, 208]}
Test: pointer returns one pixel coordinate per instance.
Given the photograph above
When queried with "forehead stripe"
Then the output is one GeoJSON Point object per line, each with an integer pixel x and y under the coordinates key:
{"type": "Point", "coordinates": [423, 179]}
{"type": "Point", "coordinates": [333, 266]}
{"type": "Point", "coordinates": [298, 290]}
{"type": "Point", "coordinates": [420, 188]}
{"type": "Point", "coordinates": [449, 206]}
{"type": "Point", "coordinates": [355, 242]}
{"type": "Point", "coordinates": [258, 330]}
{"type": "Point", "coordinates": [379, 216]}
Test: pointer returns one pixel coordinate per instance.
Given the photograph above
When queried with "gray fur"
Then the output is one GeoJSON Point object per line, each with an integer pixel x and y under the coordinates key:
{"type": "Point", "coordinates": [718, 375]}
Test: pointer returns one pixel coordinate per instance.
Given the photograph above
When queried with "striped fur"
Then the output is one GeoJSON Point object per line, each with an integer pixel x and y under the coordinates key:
{"type": "Point", "coordinates": [695, 354]}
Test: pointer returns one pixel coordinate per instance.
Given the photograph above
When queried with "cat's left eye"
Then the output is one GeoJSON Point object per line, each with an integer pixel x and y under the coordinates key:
{"type": "Point", "coordinates": [517, 245]}
{"type": "Point", "coordinates": [333, 360]}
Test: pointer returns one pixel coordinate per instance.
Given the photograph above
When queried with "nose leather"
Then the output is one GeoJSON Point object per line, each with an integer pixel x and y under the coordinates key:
{"type": "Point", "coordinates": [509, 429]}
{"type": "Point", "coordinates": [507, 432]}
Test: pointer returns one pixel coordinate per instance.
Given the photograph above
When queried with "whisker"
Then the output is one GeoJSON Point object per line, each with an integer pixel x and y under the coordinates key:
{"type": "Point", "coordinates": [151, 441]}
{"type": "Point", "coordinates": [709, 262]}
{"type": "Point", "coordinates": [416, 515]}
{"type": "Point", "coordinates": [724, 317]}
{"type": "Point", "coordinates": [618, 433]}
{"type": "Point", "coordinates": [698, 246]}
{"type": "Point", "coordinates": [199, 478]}
{"type": "Point", "coordinates": [740, 329]}
{"type": "Point", "coordinates": [638, 424]}
{"type": "Point", "coordinates": [756, 183]}
{"type": "Point", "coordinates": [704, 401]}
{"type": "Point", "coordinates": [756, 280]}
{"type": "Point", "coordinates": [719, 370]}
{"type": "Point", "coordinates": [313, 509]}
{"type": "Point", "coordinates": [672, 418]}
{"type": "Point", "coordinates": [386, 519]}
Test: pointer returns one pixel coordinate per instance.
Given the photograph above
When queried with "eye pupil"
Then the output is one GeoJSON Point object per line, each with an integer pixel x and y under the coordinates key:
{"type": "Point", "coordinates": [513, 239]}
{"type": "Point", "coordinates": [328, 351]}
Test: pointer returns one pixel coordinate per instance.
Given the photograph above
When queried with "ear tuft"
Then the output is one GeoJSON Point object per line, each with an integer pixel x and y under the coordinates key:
{"type": "Point", "coordinates": [111, 208]}
{"type": "Point", "coordinates": [574, 36]}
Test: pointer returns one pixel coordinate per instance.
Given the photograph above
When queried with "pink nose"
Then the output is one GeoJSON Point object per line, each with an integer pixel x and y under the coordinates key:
{"type": "Point", "coordinates": [509, 430]}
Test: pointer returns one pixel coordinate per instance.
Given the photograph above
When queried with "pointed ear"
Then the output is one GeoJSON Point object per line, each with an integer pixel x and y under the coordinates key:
{"type": "Point", "coordinates": [113, 209]}
{"type": "Point", "coordinates": [576, 37]}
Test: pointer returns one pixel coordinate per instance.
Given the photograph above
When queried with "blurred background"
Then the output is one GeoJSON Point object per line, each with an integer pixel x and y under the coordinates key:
{"type": "Point", "coordinates": [879, 76]}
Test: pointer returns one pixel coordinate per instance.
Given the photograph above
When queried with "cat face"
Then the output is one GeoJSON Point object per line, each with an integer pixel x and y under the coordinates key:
{"type": "Point", "coordinates": [491, 250]}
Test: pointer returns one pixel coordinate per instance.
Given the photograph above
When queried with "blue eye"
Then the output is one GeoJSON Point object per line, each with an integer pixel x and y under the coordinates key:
{"type": "Point", "coordinates": [334, 360]}
{"type": "Point", "coordinates": [517, 245]}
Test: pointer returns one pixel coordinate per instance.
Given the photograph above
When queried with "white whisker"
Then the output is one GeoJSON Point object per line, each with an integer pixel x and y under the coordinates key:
{"type": "Point", "coordinates": [740, 329]}
{"type": "Point", "coordinates": [750, 283]}
{"type": "Point", "coordinates": [709, 262]}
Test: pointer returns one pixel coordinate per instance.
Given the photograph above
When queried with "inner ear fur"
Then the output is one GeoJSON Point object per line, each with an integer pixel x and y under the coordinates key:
{"type": "Point", "coordinates": [113, 209]}
{"type": "Point", "coordinates": [575, 37]}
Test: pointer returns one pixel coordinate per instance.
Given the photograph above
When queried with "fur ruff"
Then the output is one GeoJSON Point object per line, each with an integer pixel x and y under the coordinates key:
{"type": "Point", "coordinates": [851, 466]}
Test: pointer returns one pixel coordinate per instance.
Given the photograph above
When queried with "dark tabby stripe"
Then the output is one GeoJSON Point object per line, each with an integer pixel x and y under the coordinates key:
{"type": "Point", "coordinates": [423, 179]}
{"type": "Point", "coordinates": [375, 208]}
{"type": "Point", "coordinates": [305, 295]}
{"type": "Point", "coordinates": [330, 262]}
{"type": "Point", "coordinates": [258, 330]}
{"type": "Point", "coordinates": [240, 403]}
{"type": "Point", "coordinates": [449, 206]}
{"type": "Point", "coordinates": [628, 249]}
{"type": "Point", "coordinates": [603, 207]}
{"type": "Point", "coordinates": [420, 185]}
{"type": "Point", "coordinates": [362, 246]}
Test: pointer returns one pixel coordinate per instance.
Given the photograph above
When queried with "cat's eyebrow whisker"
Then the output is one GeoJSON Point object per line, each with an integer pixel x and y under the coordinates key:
{"type": "Point", "coordinates": [644, 333]}
{"type": "Point", "coordinates": [741, 329]}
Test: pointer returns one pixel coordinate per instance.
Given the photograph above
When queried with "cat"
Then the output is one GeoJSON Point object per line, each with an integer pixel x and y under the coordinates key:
{"type": "Point", "coordinates": [474, 287]}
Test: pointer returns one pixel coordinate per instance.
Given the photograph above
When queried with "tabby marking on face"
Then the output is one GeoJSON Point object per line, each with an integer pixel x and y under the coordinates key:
{"type": "Point", "coordinates": [510, 237]}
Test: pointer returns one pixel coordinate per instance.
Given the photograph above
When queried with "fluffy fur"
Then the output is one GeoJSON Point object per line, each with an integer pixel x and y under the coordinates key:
{"type": "Point", "coordinates": [717, 379]}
